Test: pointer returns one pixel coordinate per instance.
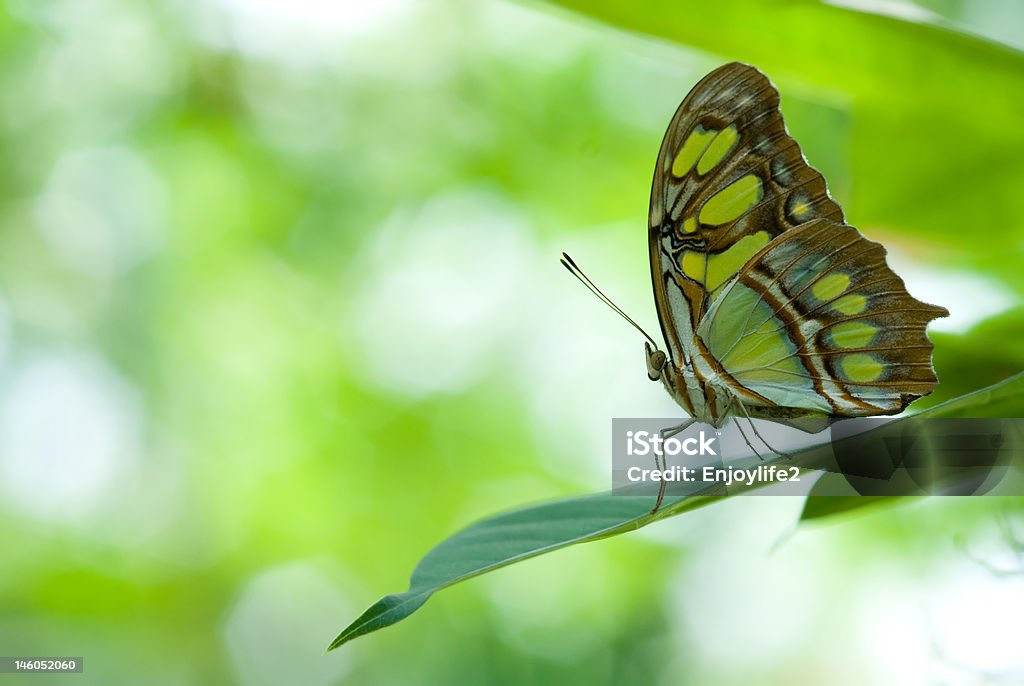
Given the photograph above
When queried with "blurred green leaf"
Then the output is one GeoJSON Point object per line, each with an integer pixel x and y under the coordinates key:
{"type": "Point", "coordinates": [508, 538]}
{"type": "Point", "coordinates": [819, 506]}
{"type": "Point", "coordinates": [991, 350]}
{"type": "Point", "coordinates": [929, 109]}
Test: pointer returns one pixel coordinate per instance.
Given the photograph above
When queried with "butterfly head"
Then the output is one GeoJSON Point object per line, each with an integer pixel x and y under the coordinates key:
{"type": "Point", "coordinates": [656, 361]}
{"type": "Point", "coordinates": [680, 382]}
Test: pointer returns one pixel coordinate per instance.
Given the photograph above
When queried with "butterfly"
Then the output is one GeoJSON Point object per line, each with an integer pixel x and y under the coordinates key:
{"type": "Point", "coordinates": [771, 306]}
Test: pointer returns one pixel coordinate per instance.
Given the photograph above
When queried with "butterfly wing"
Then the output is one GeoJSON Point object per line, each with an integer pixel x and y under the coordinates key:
{"type": "Point", "coordinates": [818, 321]}
{"type": "Point", "coordinates": [729, 179]}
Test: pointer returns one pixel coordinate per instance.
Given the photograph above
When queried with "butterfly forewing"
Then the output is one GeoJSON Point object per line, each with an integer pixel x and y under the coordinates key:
{"type": "Point", "coordinates": [817, 320]}
{"type": "Point", "coordinates": [728, 180]}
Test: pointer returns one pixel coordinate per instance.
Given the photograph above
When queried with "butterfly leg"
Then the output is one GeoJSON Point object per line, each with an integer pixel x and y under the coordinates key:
{"type": "Point", "coordinates": [735, 402]}
{"type": "Point", "coordinates": [757, 433]}
{"type": "Point", "coordinates": [661, 463]}
{"type": "Point", "coordinates": [766, 443]}
{"type": "Point", "coordinates": [747, 440]}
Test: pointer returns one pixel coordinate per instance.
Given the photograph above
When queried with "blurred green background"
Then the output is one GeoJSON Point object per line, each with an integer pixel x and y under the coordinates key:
{"type": "Point", "coordinates": [280, 308]}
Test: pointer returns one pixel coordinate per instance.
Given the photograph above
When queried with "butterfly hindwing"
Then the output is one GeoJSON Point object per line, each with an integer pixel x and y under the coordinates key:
{"type": "Point", "coordinates": [817, 320]}
{"type": "Point", "coordinates": [728, 180]}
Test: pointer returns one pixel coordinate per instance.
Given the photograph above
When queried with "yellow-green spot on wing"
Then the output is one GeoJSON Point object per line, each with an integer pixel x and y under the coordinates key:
{"type": "Point", "coordinates": [696, 143]}
{"type": "Point", "coordinates": [723, 266]}
{"type": "Point", "coordinates": [694, 265]}
{"type": "Point", "coordinates": [830, 287]}
{"type": "Point", "coordinates": [689, 225]}
{"type": "Point", "coordinates": [718, 149]}
{"type": "Point", "coordinates": [852, 334]}
{"type": "Point", "coordinates": [861, 367]}
{"type": "Point", "coordinates": [732, 201]}
{"type": "Point", "coordinates": [850, 304]}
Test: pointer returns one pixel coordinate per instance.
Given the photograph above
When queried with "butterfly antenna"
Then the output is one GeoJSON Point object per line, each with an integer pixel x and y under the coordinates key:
{"type": "Point", "coordinates": [568, 263]}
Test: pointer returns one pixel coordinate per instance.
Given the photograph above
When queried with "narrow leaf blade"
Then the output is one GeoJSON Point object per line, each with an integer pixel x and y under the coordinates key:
{"type": "Point", "coordinates": [510, 537]}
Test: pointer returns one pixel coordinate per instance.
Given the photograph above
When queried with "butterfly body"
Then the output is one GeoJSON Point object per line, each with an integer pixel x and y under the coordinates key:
{"type": "Point", "coordinates": [770, 305]}
{"type": "Point", "coordinates": [705, 398]}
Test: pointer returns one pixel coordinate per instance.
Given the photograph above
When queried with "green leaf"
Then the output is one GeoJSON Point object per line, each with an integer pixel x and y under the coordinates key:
{"type": "Point", "coordinates": [521, 534]}
{"type": "Point", "coordinates": [1004, 399]}
{"type": "Point", "coordinates": [511, 537]}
